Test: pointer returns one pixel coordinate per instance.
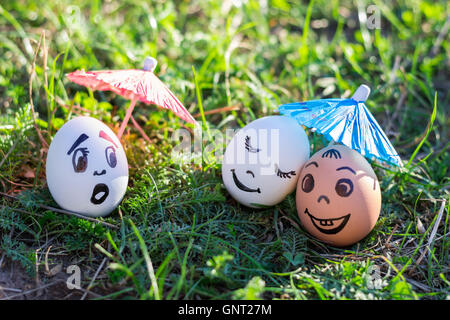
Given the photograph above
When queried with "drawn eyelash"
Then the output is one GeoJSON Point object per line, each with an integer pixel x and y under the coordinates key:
{"type": "Point", "coordinates": [284, 175]}
{"type": "Point", "coordinates": [84, 151]}
{"type": "Point", "coordinates": [249, 147]}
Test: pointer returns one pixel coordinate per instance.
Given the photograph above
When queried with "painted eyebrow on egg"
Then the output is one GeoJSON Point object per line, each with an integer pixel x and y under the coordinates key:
{"type": "Point", "coordinates": [314, 163]}
{"type": "Point", "coordinates": [332, 153]}
{"type": "Point", "coordinates": [346, 168]}
{"type": "Point", "coordinates": [77, 142]}
{"type": "Point", "coordinates": [105, 136]}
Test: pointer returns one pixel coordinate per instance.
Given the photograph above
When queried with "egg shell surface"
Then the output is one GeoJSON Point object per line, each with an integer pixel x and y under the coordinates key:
{"type": "Point", "coordinates": [262, 162]}
{"type": "Point", "coordinates": [338, 196]}
{"type": "Point", "coordinates": [87, 169]}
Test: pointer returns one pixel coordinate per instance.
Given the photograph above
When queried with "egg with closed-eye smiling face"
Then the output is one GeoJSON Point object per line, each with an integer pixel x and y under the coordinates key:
{"type": "Point", "coordinates": [338, 196]}
{"type": "Point", "coordinates": [262, 162]}
{"type": "Point", "coordinates": [87, 169]}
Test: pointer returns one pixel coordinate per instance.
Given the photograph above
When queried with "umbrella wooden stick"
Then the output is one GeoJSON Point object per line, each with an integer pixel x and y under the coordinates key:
{"type": "Point", "coordinates": [149, 65]}
{"type": "Point", "coordinates": [141, 131]}
{"type": "Point", "coordinates": [127, 117]}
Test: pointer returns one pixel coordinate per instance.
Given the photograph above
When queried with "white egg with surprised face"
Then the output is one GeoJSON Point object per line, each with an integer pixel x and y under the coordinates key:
{"type": "Point", "coordinates": [87, 169]}
{"type": "Point", "coordinates": [262, 162]}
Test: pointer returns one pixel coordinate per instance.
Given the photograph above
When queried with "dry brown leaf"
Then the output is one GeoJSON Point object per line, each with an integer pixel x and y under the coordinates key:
{"type": "Point", "coordinates": [27, 172]}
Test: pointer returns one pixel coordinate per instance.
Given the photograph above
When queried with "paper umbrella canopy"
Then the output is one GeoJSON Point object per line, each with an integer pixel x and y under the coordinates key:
{"type": "Point", "coordinates": [346, 121]}
{"type": "Point", "coordinates": [135, 85]}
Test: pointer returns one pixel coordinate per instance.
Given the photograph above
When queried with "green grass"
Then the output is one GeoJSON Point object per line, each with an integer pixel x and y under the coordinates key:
{"type": "Point", "coordinates": [179, 235]}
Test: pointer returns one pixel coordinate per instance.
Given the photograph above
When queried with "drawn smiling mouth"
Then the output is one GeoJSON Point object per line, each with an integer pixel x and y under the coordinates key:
{"type": "Point", "coordinates": [241, 186]}
{"type": "Point", "coordinates": [100, 193]}
{"type": "Point", "coordinates": [323, 224]}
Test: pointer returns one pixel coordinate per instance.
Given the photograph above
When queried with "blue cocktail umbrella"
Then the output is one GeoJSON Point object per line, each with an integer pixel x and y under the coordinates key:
{"type": "Point", "coordinates": [346, 121]}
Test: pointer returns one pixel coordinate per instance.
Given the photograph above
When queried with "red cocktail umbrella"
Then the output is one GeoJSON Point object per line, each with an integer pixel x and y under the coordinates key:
{"type": "Point", "coordinates": [135, 85]}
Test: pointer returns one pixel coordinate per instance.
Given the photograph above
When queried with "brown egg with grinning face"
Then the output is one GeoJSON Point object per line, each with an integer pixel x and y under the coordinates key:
{"type": "Point", "coordinates": [338, 196]}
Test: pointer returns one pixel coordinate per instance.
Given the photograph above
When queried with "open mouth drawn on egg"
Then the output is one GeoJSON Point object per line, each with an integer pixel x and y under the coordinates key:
{"type": "Point", "coordinates": [329, 226]}
{"type": "Point", "coordinates": [100, 193]}
{"type": "Point", "coordinates": [242, 186]}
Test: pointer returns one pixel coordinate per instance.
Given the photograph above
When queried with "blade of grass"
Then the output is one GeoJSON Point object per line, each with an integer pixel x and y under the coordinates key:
{"type": "Point", "coordinates": [148, 261]}
{"type": "Point", "coordinates": [200, 103]}
{"type": "Point", "coordinates": [26, 41]}
{"type": "Point", "coordinates": [163, 270]}
{"type": "Point", "coordinates": [430, 127]}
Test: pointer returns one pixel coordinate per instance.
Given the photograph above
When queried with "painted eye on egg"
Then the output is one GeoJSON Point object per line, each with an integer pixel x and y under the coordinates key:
{"type": "Point", "coordinates": [80, 160]}
{"type": "Point", "coordinates": [284, 175]}
{"type": "Point", "coordinates": [344, 187]}
{"type": "Point", "coordinates": [308, 183]}
{"type": "Point", "coordinates": [111, 158]}
{"type": "Point", "coordinates": [249, 147]}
